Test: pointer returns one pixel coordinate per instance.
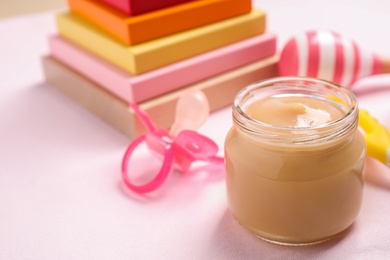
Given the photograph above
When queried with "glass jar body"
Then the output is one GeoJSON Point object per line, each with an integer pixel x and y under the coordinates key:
{"type": "Point", "coordinates": [294, 193]}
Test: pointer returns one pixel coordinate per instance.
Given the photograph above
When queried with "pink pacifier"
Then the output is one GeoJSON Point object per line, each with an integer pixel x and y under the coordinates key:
{"type": "Point", "coordinates": [328, 55]}
{"type": "Point", "coordinates": [179, 147]}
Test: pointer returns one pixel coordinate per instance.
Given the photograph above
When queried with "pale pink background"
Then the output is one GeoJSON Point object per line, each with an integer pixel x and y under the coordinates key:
{"type": "Point", "coordinates": [60, 187]}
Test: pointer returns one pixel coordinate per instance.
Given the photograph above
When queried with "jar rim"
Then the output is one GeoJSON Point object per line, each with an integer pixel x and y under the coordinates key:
{"type": "Point", "coordinates": [343, 94]}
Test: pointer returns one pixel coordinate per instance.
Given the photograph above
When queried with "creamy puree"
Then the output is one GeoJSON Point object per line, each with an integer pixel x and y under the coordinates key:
{"type": "Point", "coordinates": [294, 111]}
{"type": "Point", "coordinates": [294, 193]}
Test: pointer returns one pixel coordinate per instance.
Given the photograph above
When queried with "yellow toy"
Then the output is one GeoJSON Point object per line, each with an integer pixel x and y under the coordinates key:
{"type": "Point", "coordinates": [377, 137]}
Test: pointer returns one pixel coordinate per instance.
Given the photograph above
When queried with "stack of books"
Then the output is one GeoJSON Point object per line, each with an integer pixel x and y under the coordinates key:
{"type": "Point", "coordinates": [109, 53]}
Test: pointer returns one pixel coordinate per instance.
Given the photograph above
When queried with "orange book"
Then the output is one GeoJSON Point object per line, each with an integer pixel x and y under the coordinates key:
{"type": "Point", "coordinates": [131, 30]}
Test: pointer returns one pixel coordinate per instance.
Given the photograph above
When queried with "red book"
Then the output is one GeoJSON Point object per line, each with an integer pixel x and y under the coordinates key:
{"type": "Point", "coordinates": [134, 7]}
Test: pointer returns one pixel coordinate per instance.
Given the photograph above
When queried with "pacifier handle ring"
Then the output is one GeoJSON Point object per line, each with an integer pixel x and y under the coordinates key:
{"type": "Point", "coordinates": [161, 176]}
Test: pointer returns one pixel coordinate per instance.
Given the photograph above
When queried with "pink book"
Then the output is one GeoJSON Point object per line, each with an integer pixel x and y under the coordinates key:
{"type": "Point", "coordinates": [138, 88]}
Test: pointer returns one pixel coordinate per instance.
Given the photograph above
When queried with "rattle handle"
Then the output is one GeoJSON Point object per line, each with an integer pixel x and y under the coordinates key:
{"type": "Point", "coordinates": [385, 65]}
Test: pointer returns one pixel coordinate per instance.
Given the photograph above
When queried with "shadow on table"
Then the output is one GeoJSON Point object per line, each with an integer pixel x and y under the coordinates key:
{"type": "Point", "coordinates": [233, 241]}
{"type": "Point", "coordinates": [377, 173]}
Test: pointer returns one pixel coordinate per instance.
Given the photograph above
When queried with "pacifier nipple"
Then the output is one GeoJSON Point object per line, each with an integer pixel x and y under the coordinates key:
{"type": "Point", "coordinates": [192, 110]}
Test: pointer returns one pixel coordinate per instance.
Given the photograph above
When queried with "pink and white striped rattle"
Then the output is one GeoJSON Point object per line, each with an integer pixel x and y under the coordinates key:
{"type": "Point", "coordinates": [328, 55]}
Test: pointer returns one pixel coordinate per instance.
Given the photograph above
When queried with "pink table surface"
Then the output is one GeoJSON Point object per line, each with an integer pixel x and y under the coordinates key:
{"type": "Point", "coordinates": [60, 188]}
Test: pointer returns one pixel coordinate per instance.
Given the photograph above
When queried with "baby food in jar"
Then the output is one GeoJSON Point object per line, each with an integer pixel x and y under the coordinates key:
{"type": "Point", "coordinates": [295, 160]}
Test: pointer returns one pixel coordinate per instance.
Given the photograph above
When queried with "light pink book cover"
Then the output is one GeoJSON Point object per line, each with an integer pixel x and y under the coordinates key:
{"type": "Point", "coordinates": [138, 88]}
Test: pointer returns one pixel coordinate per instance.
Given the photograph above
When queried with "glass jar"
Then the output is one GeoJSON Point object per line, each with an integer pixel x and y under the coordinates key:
{"type": "Point", "coordinates": [295, 185]}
